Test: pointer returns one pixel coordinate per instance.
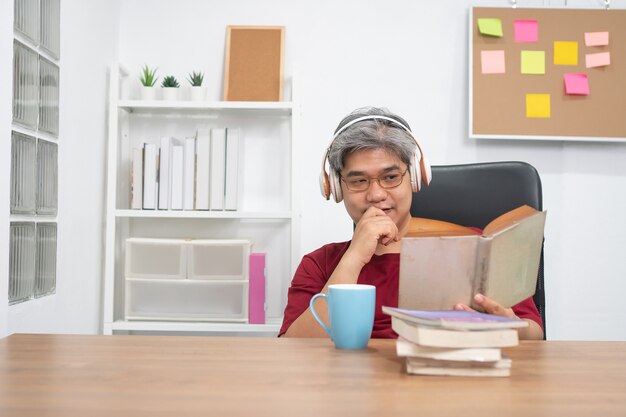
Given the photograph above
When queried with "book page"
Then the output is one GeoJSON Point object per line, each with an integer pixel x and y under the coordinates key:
{"type": "Point", "coordinates": [511, 261]}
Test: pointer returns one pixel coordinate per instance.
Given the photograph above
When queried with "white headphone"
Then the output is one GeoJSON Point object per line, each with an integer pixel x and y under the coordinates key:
{"type": "Point", "coordinates": [330, 182]}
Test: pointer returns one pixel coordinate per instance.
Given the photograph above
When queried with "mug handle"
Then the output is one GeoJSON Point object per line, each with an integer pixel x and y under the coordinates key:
{"type": "Point", "coordinates": [324, 296]}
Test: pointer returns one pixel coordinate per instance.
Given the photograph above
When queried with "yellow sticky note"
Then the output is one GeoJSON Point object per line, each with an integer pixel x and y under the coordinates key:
{"type": "Point", "coordinates": [538, 105]}
{"type": "Point", "coordinates": [491, 27]}
{"type": "Point", "coordinates": [533, 62]}
{"type": "Point", "coordinates": [565, 53]}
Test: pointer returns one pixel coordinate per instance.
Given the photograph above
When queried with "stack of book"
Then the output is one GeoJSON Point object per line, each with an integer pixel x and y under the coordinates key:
{"type": "Point", "coordinates": [450, 342]}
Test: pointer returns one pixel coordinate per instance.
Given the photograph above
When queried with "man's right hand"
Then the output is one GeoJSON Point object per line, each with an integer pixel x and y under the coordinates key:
{"type": "Point", "coordinates": [373, 229]}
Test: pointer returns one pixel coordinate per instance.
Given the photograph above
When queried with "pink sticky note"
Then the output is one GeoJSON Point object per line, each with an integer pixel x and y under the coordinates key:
{"type": "Point", "coordinates": [600, 59]}
{"type": "Point", "coordinates": [596, 38]}
{"type": "Point", "coordinates": [492, 62]}
{"type": "Point", "coordinates": [526, 31]}
{"type": "Point", "coordinates": [576, 84]}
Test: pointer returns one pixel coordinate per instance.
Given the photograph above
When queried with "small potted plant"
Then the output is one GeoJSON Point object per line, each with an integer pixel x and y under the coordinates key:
{"type": "Point", "coordinates": [148, 78]}
{"type": "Point", "coordinates": [197, 91]}
{"type": "Point", "coordinates": [169, 86]}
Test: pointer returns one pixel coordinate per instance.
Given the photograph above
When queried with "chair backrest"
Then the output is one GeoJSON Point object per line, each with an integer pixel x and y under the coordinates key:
{"type": "Point", "coordinates": [475, 194]}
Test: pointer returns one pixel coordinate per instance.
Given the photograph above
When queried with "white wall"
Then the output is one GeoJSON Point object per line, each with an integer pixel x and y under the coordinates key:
{"type": "Point", "coordinates": [89, 31]}
{"type": "Point", "coordinates": [347, 54]}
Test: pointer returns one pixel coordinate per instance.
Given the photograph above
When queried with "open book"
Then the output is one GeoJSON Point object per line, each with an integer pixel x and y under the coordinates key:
{"type": "Point", "coordinates": [443, 266]}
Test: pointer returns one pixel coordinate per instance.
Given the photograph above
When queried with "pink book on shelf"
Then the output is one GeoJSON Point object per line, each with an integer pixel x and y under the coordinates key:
{"type": "Point", "coordinates": [256, 308]}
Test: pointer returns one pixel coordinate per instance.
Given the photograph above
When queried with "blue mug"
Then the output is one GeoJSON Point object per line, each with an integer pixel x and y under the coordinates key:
{"type": "Point", "coordinates": [350, 313]}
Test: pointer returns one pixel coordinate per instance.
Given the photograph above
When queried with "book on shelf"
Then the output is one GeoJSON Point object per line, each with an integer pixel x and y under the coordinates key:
{"type": "Point", "coordinates": [218, 168]}
{"type": "Point", "coordinates": [189, 173]}
{"type": "Point", "coordinates": [438, 337]}
{"type": "Point", "coordinates": [231, 169]}
{"type": "Point", "coordinates": [442, 267]}
{"type": "Point", "coordinates": [136, 179]}
{"type": "Point", "coordinates": [150, 176]}
{"type": "Point", "coordinates": [256, 308]}
{"type": "Point", "coordinates": [203, 168]}
{"type": "Point", "coordinates": [422, 366]}
{"type": "Point", "coordinates": [176, 190]}
{"type": "Point", "coordinates": [404, 348]}
{"type": "Point", "coordinates": [165, 171]}
{"type": "Point", "coordinates": [455, 319]}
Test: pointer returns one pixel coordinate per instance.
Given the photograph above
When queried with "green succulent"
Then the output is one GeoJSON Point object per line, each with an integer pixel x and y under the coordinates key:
{"type": "Point", "coordinates": [170, 81]}
{"type": "Point", "coordinates": [195, 78]}
{"type": "Point", "coordinates": [148, 77]}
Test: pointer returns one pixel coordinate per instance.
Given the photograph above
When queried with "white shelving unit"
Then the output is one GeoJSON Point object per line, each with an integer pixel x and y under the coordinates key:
{"type": "Point", "coordinates": [268, 212]}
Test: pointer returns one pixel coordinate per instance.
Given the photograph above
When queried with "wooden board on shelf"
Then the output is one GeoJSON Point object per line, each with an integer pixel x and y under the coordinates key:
{"type": "Point", "coordinates": [253, 67]}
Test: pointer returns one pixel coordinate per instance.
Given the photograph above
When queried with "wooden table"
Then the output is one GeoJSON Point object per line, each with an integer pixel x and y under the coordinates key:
{"type": "Point", "coordinates": [63, 375]}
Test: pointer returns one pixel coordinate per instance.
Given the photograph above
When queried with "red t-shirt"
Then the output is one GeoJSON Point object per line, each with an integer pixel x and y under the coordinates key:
{"type": "Point", "coordinates": [383, 271]}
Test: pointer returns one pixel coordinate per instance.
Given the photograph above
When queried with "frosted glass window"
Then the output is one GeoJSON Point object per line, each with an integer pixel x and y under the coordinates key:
{"type": "Point", "coordinates": [50, 20]}
{"type": "Point", "coordinates": [46, 263]}
{"type": "Point", "coordinates": [34, 156]}
{"type": "Point", "coordinates": [26, 18]}
{"type": "Point", "coordinates": [23, 173]}
{"type": "Point", "coordinates": [21, 261]}
{"type": "Point", "coordinates": [48, 96]}
{"type": "Point", "coordinates": [47, 177]}
{"type": "Point", "coordinates": [25, 85]}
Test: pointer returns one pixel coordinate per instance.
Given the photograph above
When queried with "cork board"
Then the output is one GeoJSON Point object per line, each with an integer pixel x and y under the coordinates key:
{"type": "Point", "coordinates": [498, 101]}
{"type": "Point", "coordinates": [253, 69]}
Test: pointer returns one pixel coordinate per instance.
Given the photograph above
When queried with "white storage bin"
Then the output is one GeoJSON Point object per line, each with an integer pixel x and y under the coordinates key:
{"type": "Point", "coordinates": [225, 259]}
{"type": "Point", "coordinates": [156, 258]}
{"type": "Point", "coordinates": [186, 300]}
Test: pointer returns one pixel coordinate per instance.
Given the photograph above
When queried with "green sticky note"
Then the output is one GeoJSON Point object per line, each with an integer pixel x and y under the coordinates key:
{"type": "Point", "coordinates": [565, 53]}
{"type": "Point", "coordinates": [538, 106]}
{"type": "Point", "coordinates": [490, 27]}
{"type": "Point", "coordinates": [533, 62]}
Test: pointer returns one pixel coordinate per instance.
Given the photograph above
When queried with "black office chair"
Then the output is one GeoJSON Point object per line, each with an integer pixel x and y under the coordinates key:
{"type": "Point", "coordinates": [475, 194]}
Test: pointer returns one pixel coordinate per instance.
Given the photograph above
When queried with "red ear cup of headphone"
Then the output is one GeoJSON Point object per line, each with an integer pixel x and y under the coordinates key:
{"type": "Point", "coordinates": [427, 174]}
{"type": "Point", "coordinates": [324, 185]}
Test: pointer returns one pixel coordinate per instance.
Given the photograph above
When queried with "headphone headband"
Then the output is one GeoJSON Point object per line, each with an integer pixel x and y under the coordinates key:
{"type": "Point", "coordinates": [369, 117]}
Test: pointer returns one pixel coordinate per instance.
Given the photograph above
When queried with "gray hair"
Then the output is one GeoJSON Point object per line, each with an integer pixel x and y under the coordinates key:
{"type": "Point", "coordinates": [371, 134]}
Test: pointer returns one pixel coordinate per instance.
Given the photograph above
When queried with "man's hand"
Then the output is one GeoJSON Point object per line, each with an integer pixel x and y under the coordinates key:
{"type": "Point", "coordinates": [533, 331]}
{"type": "Point", "coordinates": [489, 306]}
{"type": "Point", "coordinates": [374, 228]}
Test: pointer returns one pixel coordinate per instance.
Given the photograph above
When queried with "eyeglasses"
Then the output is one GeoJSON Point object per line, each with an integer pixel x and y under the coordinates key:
{"type": "Point", "coordinates": [388, 180]}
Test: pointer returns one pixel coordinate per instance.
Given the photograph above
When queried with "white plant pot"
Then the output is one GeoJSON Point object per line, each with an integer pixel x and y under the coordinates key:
{"type": "Point", "coordinates": [148, 93]}
{"type": "Point", "coordinates": [169, 93]}
{"type": "Point", "coordinates": [198, 93]}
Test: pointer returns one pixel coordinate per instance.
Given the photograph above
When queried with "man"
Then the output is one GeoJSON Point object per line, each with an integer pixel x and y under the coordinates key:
{"type": "Point", "coordinates": [375, 164]}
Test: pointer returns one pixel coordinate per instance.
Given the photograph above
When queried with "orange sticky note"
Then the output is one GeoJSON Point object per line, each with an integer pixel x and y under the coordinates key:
{"type": "Point", "coordinates": [596, 38]}
{"type": "Point", "coordinates": [538, 106]}
{"type": "Point", "coordinates": [601, 59]}
{"type": "Point", "coordinates": [565, 53]}
{"type": "Point", "coordinates": [492, 62]}
{"type": "Point", "coordinates": [576, 84]}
